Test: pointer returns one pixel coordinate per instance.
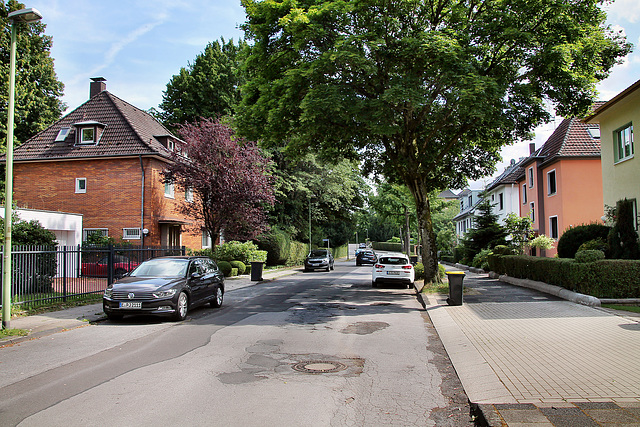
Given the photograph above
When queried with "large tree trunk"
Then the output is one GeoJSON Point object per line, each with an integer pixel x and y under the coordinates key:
{"type": "Point", "coordinates": [429, 250]}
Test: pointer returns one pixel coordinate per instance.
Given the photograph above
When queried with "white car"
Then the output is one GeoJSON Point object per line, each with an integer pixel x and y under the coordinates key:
{"type": "Point", "coordinates": [393, 268]}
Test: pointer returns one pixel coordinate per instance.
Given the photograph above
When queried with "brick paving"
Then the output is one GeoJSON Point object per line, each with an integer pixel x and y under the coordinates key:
{"type": "Point", "coordinates": [541, 360]}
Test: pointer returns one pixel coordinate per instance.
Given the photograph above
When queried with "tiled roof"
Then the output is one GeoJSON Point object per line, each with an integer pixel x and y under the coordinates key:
{"type": "Point", "coordinates": [509, 176]}
{"type": "Point", "coordinates": [447, 194]}
{"type": "Point", "coordinates": [127, 131]}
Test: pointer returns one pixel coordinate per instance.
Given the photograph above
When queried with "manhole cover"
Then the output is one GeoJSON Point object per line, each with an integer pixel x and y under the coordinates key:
{"type": "Point", "coordinates": [319, 367]}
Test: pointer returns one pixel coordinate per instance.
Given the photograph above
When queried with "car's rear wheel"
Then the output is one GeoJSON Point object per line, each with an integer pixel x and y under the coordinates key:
{"type": "Point", "coordinates": [219, 296]}
{"type": "Point", "coordinates": [374, 284]}
{"type": "Point", "coordinates": [182, 307]}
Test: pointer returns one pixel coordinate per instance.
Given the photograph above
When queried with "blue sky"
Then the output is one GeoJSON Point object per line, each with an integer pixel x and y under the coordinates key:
{"type": "Point", "coordinates": [138, 45]}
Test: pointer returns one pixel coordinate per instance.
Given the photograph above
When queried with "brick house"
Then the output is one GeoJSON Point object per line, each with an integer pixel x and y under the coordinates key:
{"type": "Point", "coordinates": [104, 160]}
{"type": "Point", "coordinates": [561, 182]}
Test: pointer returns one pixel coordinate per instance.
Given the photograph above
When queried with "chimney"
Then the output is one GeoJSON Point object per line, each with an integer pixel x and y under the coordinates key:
{"type": "Point", "coordinates": [97, 85]}
{"type": "Point", "coordinates": [532, 147]}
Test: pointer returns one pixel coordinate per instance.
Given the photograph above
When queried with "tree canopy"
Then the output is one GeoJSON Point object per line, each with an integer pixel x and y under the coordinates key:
{"type": "Point", "coordinates": [424, 92]}
{"type": "Point", "coordinates": [209, 87]}
{"type": "Point", "coordinates": [229, 179]}
{"type": "Point", "coordinates": [38, 91]}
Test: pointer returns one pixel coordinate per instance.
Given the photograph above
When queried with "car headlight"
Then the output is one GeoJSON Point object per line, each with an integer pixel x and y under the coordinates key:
{"type": "Point", "coordinates": [108, 292]}
{"type": "Point", "coordinates": [164, 294]}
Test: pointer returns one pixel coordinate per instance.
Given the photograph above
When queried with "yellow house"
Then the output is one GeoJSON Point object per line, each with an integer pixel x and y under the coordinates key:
{"type": "Point", "coordinates": [620, 167]}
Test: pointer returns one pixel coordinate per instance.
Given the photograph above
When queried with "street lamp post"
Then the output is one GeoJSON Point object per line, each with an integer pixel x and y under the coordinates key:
{"type": "Point", "coordinates": [22, 15]}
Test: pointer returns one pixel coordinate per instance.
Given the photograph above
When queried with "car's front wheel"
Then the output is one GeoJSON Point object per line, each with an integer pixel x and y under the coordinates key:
{"type": "Point", "coordinates": [216, 302]}
{"type": "Point", "coordinates": [182, 307]}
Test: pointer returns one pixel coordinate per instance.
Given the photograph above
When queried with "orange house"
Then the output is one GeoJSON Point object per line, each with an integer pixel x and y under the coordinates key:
{"type": "Point", "coordinates": [561, 183]}
{"type": "Point", "coordinates": [104, 160]}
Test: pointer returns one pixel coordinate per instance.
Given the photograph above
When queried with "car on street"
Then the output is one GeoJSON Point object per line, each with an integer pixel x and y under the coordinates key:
{"type": "Point", "coordinates": [319, 259]}
{"type": "Point", "coordinates": [121, 266]}
{"type": "Point", "coordinates": [393, 268]}
{"type": "Point", "coordinates": [366, 256]}
{"type": "Point", "coordinates": [165, 286]}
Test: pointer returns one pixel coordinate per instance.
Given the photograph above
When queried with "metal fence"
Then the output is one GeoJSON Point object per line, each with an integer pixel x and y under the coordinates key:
{"type": "Point", "coordinates": [42, 274]}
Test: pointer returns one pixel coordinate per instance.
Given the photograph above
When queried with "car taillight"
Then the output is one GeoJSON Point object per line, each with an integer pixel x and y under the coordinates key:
{"type": "Point", "coordinates": [379, 266]}
{"type": "Point", "coordinates": [407, 267]}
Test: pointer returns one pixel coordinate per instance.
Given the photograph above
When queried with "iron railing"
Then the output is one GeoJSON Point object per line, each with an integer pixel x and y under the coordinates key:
{"type": "Point", "coordinates": [41, 274]}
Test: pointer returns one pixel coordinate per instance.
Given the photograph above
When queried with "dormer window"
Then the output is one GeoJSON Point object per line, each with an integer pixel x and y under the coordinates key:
{"type": "Point", "coordinates": [87, 136]}
{"type": "Point", "coordinates": [88, 132]}
{"type": "Point", "coordinates": [62, 134]}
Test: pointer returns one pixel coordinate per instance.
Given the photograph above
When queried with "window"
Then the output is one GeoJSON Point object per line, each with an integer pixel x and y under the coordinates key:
{"type": "Point", "coordinates": [62, 134]}
{"type": "Point", "coordinates": [493, 197]}
{"type": "Point", "coordinates": [87, 135]}
{"type": "Point", "coordinates": [524, 194]}
{"type": "Point", "coordinates": [461, 205]}
{"type": "Point", "coordinates": [188, 195]}
{"type": "Point", "coordinates": [551, 182]}
{"type": "Point", "coordinates": [501, 201]}
{"type": "Point", "coordinates": [131, 234]}
{"type": "Point", "coordinates": [553, 227]}
{"type": "Point", "coordinates": [532, 211]}
{"type": "Point", "coordinates": [169, 190]}
{"type": "Point", "coordinates": [530, 177]}
{"type": "Point", "coordinates": [86, 232]}
{"type": "Point", "coordinates": [81, 185]}
{"type": "Point", "coordinates": [623, 140]}
{"type": "Point", "coordinates": [470, 201]}
{"type": "Point", "coordinates": [206, 239]}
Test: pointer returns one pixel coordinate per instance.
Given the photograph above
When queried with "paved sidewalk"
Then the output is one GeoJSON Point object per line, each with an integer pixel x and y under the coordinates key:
{"type": "Point", "coordinates": [530, 359]}
{"type": "Point", "coordinates": [76, 317]}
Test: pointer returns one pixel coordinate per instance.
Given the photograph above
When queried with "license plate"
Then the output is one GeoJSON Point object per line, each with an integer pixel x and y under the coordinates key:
{"type": "Point", "coordinates": [393, 273]}
{"type": "Point", "coordinates": [130, 305]}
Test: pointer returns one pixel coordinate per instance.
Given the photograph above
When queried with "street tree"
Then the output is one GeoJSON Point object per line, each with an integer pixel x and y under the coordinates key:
{"type": "Point", "coordinates": [228, 177]}
{"type": "Point", "coordinates": [209, 87]}
{"type": "Point", "coordinates": [334, 192]}
{"type": "Point", "coordinates": [395, 203]}
{"type": "Point", "coordinates": [425, 93]}
{"type": "Point", "coordinates": [38, 91]}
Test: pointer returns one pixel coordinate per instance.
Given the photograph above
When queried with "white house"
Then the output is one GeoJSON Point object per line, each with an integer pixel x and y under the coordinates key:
{"type": "Point", "coordinates": [503, 192]}
{"type": "Point", "coordinates": [465, 220]}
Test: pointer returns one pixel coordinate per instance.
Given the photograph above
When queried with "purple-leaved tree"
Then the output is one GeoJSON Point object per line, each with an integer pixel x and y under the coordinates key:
{"type": "Point", "coordinates": [228, 176]}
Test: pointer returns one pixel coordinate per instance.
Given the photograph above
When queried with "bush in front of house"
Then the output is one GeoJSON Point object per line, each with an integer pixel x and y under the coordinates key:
{"type": "Point", "coordinates": [418, 270]}
{"type": "Point", "coordinates": [596, 244]}
{"type": "Point", "coordinates": [574, 237]}
{"type": "Point", "coordinates": [623, 238]}
{"type": "Point", "coordinates": [235, 251]}
{"type": "Point", "coordinates": [481, 259]}
{"type": "Point", "coordinates": [601, 278]}
{"type": "Point", "coordinates": [239, 266]}
{"type": "Point", "coordinates": [225, 267]}
{"type": "Point", "coordinates": [589, 255]}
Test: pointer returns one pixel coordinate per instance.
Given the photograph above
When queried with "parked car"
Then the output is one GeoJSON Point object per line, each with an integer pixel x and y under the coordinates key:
{"type": "Point", "coordinates": [319, 258]}
{"type": "Point", "coordinates": [393, 268]}
{"type": "Point", "coordinates": [366, 256]}
{"type": "Point", "coordinates": [165, 286]}
{"type": "Point", "coordinates": [362, 245]}
{"type": "Point", "coordinates": [121, 266]}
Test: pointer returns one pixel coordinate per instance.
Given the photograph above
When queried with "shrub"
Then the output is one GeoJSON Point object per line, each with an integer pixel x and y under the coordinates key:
{"type": "Point", "coordinates": [481, 259]}
{"type": "Point", "coordinates": [419, 271]}
{"type": "Point", "coordinates": [297, 253]}
{"type": "Point", "coordinates": [589, 255]}
{"type": "Point", "coordinates": [503, 250]}
{"type": "Point", "coordinates": [595, 244]}
{"type": "Point", "coordinates": [277, 244]}
{"type": "Point", "coordinates": [235, 251]}
{"type": "Point", "coordinates": [240, 266]}
{"type": "Point", "coordinates": [441, 271]}
{"type": "Point", "coordinates": [542, 242]}
{"type": "Point", "coordinates": [574, 237]}
{"type": "Point", "coordinates": [623, 238]}
{"type": "Point", "coordinates": [225, 267]}
{"type": "Point", "coordinates": [258, 256]}
{"type": "Point", "coordinates": [234, 272]}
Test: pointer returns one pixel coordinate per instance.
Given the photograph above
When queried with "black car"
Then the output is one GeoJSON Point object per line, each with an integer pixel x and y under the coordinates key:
{"type": "Point", "coordinates": [165, 286]}
{"type": "Point", "coordinates": [366, 256]}
{"type": "Point", "coordinates": [319, 258]}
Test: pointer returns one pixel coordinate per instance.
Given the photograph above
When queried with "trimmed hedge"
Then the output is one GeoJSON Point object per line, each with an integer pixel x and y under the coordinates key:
{"type": "Point", "coordinates": [240, 266]}
{"type": "Point", "coordinates": [225, 267]}
{"type": "Point", "coordinates": [574, 237]}
{"type": "Point", "coordinates": [391, 247]}
{"type": "Point", "coordinates": [601, 279]}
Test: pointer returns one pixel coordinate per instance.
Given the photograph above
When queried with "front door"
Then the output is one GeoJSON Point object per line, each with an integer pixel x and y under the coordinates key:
{"type": "Point", "coordinates": [170, 235]}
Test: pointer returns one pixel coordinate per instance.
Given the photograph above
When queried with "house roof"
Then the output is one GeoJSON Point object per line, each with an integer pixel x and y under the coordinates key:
{"type": "Point", "coordinates": [447, 195]}
{"type": "Point", "coordinates": [127, 131]}
{"type": "Point", "coordinates": [509, 176]}
{"type": "Point", "coordinates": [571, 139]}
{"type": "Point", "coordinates": [606, 105]}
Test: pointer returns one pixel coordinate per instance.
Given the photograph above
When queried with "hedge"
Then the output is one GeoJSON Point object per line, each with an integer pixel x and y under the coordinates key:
{"type": "Point", "coordinates": [601, 279]}
{"type": "Point", "coordinates": [391, 247]}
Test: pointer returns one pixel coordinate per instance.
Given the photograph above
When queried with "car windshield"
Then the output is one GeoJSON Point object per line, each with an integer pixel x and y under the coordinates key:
{"type": "Point", "coordinates": [318, 253]}
{"type": "Point", "coordinates": [161, 268]}
{"type": "Point", "coordinates": [393, 260]}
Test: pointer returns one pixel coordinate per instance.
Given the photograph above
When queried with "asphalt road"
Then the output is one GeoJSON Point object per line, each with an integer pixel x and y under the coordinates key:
{"type": "Point", "coordinates": [313, 349]}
